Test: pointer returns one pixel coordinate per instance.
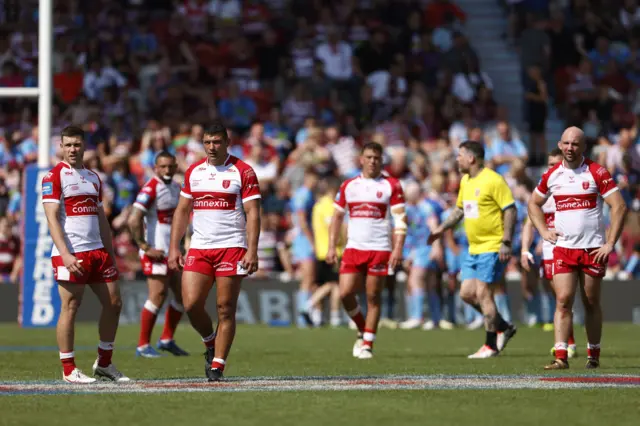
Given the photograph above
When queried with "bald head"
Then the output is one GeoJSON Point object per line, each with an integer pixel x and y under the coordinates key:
{"type": "Point", "coordinates": [573, 146]}
{"type": "Point", "coordinates": [573, 133]}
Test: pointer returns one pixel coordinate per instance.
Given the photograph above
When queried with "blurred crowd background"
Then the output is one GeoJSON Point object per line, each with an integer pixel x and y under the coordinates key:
{"type": "Point", "coordinates": [303, 83]}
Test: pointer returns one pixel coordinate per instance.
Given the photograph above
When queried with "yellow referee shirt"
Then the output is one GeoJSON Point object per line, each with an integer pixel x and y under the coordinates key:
{"type": "Point", "coordinates": [320, 222]}
{"type": "Point", "coordinates": [483, 199]}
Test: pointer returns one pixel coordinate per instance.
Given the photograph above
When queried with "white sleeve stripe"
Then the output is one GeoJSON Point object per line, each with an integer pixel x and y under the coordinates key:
{"type": "Point", "coordinates": [540, 192]}
{"type": "Point", "coordinates": [609, 192]}
{"type": "Point", "coordinates": [185, 195]}
{"type": "Point", "coordinates": [393, 206]}
{"type": "Point", "coordinates": [140, 207]}
{"type": "Point", "coordinates": [338, 207]}
{"type": "Point", "coordinates": [252, 197]}
{"type": "Point", "coordinates": [49, 200]}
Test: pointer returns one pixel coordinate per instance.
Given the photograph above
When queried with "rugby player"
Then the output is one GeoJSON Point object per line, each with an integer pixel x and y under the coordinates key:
{"type": "Point", "coordinates": [546, 266]}
{"type": "Point", "coordinates": [487, 205]}
{"type": "Point", "coordinates": [150, 225]}
{"type": "Point", "coordinates": [370, 199]}
{"type": "Point", "coordinates": [578, 187]}
{"type": "Point", "coordinates": [224, 196]}
{"type": "Point", "coordinates": [82, 255]}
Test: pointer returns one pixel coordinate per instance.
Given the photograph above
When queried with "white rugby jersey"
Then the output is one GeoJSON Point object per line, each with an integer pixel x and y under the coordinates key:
{"type": "Point", "coordinates": [578, 195]}
{"type": "Point", "coordinates": [80, 192]}
{"type": "Point", "coordinates": [218, 193]}
{"type": "Point", "coordinates": [549, 210]}
{"type": "Point", "coordinates": [158, 201]}
{"type": "Point", "coordinates": [368, 203]}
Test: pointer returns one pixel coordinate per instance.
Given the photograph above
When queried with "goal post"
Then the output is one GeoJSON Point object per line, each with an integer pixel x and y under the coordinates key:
{"type": "Point", "coordinates": [39, 303]}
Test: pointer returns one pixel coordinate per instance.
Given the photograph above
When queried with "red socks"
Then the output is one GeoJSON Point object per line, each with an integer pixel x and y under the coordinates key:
{"type": "Point", "coordinates": [147, 321]}
{"type": "Point", "coordinates": [218, 363]}
{"type": "Point", "coordinates": [171, 321]}
{"type": "Point", "coordinates": [593, 350]}
{"type": "Point", "coordinates": [358, 318]}
{"type": "Point", "coordinates": [68, 362]}
{"type": "Point", "coordinates": [105, 352]}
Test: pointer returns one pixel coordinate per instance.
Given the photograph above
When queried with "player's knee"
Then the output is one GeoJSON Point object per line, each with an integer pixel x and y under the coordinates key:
{"type": "Point", "coordinates": [158, 296]}
{"type": "Point", "coordinates": [71, 306]}
{"type": "Point", "coordinates": [346, 292]}
{"type": "Point", "coordinates": [564, 302]}
{"type": "Point", "coordinates": [373, 298]}
{"type": "Point", "coordinates": [115, 303]}
{"type": "Point", "coordinates": [468, 294]}
{"type": "Point", "coordinates": [226, 311]}
{"type": "Point", "coordinates": [591, 303]}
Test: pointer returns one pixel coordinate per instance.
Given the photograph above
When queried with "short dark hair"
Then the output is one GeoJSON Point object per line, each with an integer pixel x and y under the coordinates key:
{"type": "Point", "coordinates": [475, 148]}
{"type": "Point", "coordinates": [72, 132]}
{"type": "Point", "coordinates": [164, 154]}
{"type": "Point", "coordinates": [555, 152]}
{"type": "Point", "coordinates": [216, 128]}
{"type": "Point", "coordinates": [373, 146]}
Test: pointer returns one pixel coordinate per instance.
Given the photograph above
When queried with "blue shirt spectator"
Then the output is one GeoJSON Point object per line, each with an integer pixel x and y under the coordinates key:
{"type": "Point", "coordinates": [504, 149]}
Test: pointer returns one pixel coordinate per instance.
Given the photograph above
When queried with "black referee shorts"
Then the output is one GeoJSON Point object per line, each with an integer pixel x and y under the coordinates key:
{"type": "Point", "coordinates": [326, 273]}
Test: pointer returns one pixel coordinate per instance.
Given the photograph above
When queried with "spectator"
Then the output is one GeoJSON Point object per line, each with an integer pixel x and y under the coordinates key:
{"type": "Point", "coordinates": [537, 97]}
{"type": "Point", "coordinates": [336, 55]}
{"type": "Point", "coordinates": [504, 150]}
{"type": "Point", "coordinates": [466, 84]}
{"type": "Point", "coordinates": [239, 110]}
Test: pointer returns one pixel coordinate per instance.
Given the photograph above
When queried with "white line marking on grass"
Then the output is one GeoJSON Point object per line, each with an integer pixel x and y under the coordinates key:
{"type": "Point", "coordinates": [342, 383]}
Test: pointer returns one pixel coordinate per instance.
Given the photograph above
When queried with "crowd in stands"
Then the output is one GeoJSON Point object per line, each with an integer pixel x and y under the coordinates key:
{"type": "Point", "coordinates": [301, 84]}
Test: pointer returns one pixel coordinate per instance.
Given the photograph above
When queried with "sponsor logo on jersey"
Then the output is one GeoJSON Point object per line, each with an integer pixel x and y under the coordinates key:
{"type": "Point", "coordinates": [576, 202]}
{"type": "Point", "coordinates": [110, 272]}
{"type": "Point", "coordinates": [215, 201]}
{"type": "Point", "coordinates": [68, 173]}
{"type": "Point", "coordinates": [74, 187]}
{"type": "Point", "coordinates": [367, 210]}
{"type": "Point", "coordinates": [47, 188]}
{"type": "Point", "coordinates": [87, 206]}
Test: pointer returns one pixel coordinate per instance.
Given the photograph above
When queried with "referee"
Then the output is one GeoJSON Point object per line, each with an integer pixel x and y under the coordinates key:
{"type": "Point", "coordinates": [326, 275]}
{"type": "Point", "coordinates": [487, 205]}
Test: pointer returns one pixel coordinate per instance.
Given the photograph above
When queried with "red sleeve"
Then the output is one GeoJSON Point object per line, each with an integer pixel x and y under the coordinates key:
{"type": "Point", "coordinates": [341, 200]}
{"type": "Point", "coordinates": [459, 13]}
{"type": "Point", "coordinates": [604, 181]}
{"type": "Point", "coordinates": [250, 187]}
{"type": "Point", "coordinates": [146, 196]}
{"type": "Point", "coordinates": [543, 185]}
{"type": "Point", "coordinates": [51, 187]}
{"type": "Point", "coordinates": [397, 195]}
{"type": "Point", "coordinates": [186, 185]}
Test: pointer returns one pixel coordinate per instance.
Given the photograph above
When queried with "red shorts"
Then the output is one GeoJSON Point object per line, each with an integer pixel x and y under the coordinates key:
{"type": "Point", "coordinates": [368, 262]}
{"type": "Point", "coordinates": [97, 264]}
{"type": "Point", "coordinates": [566, 260]}
{"type": "Point", "coordinates": [152, 268]}
{"type": "Point", "coordinates": [546, 269]}
{"type": "Point", "coordinates": [216, 262]}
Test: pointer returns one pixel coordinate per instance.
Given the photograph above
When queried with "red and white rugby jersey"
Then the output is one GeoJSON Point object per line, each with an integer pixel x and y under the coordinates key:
{"type": "Point", "coordinates": [549, 210]}
{"type": "Point", "coordinates": [158, 200]}
{"type": "Point", "coordinates": [578, 195]}
{"type": "Point", "coordinates": [368, 203]}
{"type": "Point", "coordinates": [218, 194]}
{"type": "Point", "coordinates": [80, 193]}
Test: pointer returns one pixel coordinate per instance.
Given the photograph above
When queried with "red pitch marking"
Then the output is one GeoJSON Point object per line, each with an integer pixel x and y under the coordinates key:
{"type": "Point", "coordinates": [615, 380]}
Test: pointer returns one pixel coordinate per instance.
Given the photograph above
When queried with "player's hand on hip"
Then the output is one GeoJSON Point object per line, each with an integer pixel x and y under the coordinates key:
{"type": "Point", "coordinates": [250, 262]}
{"type": "Point", "coordinates": [551, 236]}
{"type": "Point", "coordinates": [72, 264]}
{"type": "Point", "coordinates": [526, 260]}
{"type": "Point", "coordinates": [154, 254]}
{"type": "Point", "coordinates": [601, 255]}
{"type": "Point", "coordinates": [505, 253]}
{"type": "Point", "coordinates": [331, 257]}
{"type": "Point", "coordinates": [434, 236]}
{"type": "Point", "coordinates": [175, 261]}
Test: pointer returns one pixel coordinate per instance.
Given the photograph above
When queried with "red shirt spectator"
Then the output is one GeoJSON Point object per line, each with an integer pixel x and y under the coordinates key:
{"type": "Point", "coordinates": [68, 83]}
{"type": "Point", "coordinates": [436, 11]}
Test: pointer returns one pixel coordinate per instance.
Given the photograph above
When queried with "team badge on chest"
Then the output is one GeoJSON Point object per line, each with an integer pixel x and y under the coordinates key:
{"type": "Point", "coordinates": [585, 185]}
{"type": "Point", "coordinates": [379, 194]}
{"type": "Point", "coordinates": [226, 183]}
